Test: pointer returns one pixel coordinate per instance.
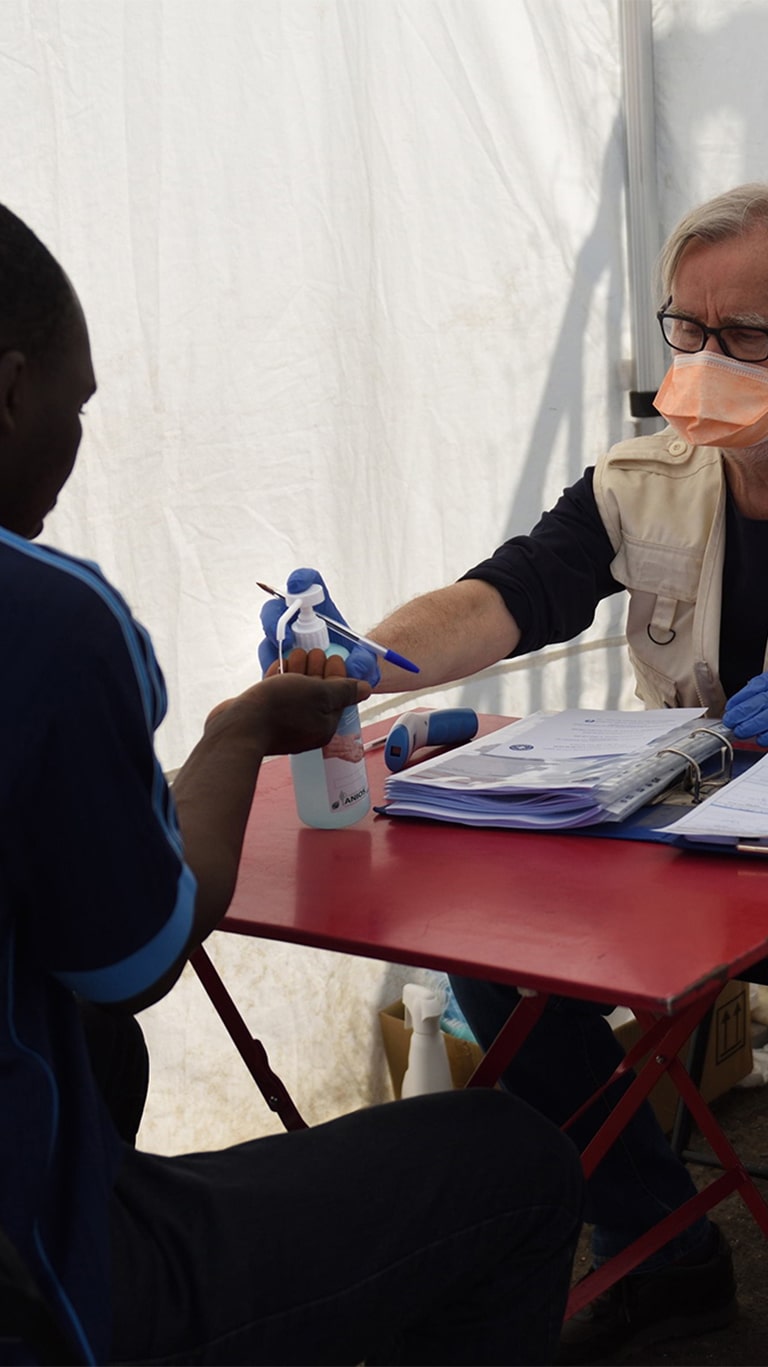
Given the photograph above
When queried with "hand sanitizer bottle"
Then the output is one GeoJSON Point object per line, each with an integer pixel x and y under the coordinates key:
{"type": "Point", "coordinates": [330, 784]}
{"type": "Point", "coordinates": [428, 1068]}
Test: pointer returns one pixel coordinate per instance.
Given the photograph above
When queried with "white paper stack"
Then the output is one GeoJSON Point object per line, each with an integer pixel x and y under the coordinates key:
{"type": "Point", "coordinates": [558, 770]}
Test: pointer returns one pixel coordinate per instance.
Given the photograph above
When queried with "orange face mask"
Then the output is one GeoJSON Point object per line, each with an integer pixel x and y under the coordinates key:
{"type": "Point", "coordinates": [714, 401]}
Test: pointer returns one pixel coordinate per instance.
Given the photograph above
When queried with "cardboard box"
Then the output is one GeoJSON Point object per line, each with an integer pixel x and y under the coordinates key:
{"type": "Point", "coordinates": [728, 1059]}
{"type": "Point", "coordinates": [463, 1056]}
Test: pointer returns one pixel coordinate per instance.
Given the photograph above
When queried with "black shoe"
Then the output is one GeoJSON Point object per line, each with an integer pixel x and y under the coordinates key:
{"type": "Point", "coordinates": [676, 1302]}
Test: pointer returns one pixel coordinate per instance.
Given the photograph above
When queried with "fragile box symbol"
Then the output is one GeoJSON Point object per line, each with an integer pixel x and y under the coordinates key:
{"type": "Point", "coordinates": [730, 1026]}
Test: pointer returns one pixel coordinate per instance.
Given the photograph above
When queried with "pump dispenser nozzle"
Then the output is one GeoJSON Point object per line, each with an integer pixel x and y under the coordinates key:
{"type": "Point", "coordinates": [422, 1008]}
{"type": "Point", "coordinates": [309, 630]}
{"type": "Point", "coordinates": [428, 1068]}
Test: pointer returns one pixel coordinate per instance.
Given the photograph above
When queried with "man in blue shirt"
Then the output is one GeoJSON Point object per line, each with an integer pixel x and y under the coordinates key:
{"type": "Point", "coordinates": [369, 1237]}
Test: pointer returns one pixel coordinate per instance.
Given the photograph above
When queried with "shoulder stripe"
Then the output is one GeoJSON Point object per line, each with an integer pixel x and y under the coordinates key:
{"type": "Point", "coordinates": [129, 977]}
{"type": "Point", "coordinates": [148, 677]}
{"type": "Point", "coordinates": [146, 670]}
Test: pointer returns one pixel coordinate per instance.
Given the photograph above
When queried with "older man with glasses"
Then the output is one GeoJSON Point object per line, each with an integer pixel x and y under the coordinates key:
{"type": "Point", "coordinates": [679, 521]}
{"type": "Point", "coordinates": [741, 341]}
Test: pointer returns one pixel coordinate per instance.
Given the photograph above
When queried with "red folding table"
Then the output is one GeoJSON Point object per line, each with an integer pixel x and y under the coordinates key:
{"type": "Point", "coordinates": [645, 925]}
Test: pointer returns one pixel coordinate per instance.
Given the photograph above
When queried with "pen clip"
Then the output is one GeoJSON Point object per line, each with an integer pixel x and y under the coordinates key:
{"type": "Point", "coordinates": [746, 846]}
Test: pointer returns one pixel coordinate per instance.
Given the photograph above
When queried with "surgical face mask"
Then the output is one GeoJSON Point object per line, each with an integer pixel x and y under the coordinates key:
{"type": "Point", "coordinates": [714, 401]}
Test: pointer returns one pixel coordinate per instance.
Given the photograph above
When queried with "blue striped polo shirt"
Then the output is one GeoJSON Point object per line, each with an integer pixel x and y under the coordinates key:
{"type": "Point", "coordinates": [95, 900]}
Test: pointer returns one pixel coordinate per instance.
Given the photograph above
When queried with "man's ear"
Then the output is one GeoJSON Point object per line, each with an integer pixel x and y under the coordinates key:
{"type": "Point", "coordinates": [12, 367]}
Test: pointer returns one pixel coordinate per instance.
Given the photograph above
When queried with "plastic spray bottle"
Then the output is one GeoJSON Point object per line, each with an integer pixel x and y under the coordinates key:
{"type": "Point", "coordinates": [330, 784]}
{"type": "Point", "coordinates": [428, 1068]}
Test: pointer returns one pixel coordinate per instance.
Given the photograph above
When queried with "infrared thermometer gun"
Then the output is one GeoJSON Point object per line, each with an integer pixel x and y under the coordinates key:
{"type": "Point", "coordinates": [444, 726]}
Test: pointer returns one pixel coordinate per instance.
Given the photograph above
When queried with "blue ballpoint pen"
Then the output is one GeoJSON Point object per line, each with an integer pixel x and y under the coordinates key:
{"type": "Point", "coordinates": [390, 655]}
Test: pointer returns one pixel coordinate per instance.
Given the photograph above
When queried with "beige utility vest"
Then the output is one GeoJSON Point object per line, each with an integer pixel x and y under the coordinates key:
{"type": "Point", "coordinates": [662, 503]}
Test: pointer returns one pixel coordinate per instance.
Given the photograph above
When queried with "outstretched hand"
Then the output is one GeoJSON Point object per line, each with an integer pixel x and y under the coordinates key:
{"type": "Point", "coordinates": [746, 713]}
{"type": "Point", "coordinates": [298, 710]}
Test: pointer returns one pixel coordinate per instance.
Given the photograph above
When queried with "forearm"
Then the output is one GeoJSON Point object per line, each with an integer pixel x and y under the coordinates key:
{"type": "Point", "coordinates": [213, 792]}
{"type": "Point", "coordinates": [449, 634]}
{"type": "Point", "coordinates": [214, 789]}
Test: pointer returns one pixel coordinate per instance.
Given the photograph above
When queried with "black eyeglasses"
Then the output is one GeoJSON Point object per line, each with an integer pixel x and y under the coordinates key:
{"type": "Point", "coordinates": [686, 334]}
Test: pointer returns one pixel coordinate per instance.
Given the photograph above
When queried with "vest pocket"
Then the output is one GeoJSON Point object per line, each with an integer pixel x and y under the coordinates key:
{"type": "Point", "coordinates": [668, 572]}
{"type": "Point", "coordinates": [663, 582]}
{"type": "Point", "coordinates": [653, 687]}
{"type": "Point", "coordinates": [659, 640]}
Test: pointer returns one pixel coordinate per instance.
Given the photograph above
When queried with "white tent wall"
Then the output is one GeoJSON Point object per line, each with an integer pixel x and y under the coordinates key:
{"type": "Point", "coordinates": [357, 283]}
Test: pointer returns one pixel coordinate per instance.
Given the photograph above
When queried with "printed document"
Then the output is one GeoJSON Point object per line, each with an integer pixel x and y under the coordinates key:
{"type": "Point", "coordinates": [582, 733]}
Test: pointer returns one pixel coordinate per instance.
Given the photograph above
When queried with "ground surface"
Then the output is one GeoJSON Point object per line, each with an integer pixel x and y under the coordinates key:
{"type": "Point", "coordinates": [743, 1114]}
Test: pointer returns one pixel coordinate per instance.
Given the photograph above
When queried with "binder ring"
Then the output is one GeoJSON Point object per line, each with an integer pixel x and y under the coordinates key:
{"type": "Point", "coordinates": [693, 771]}
{"type": "Point", "coordinates": [710, 731]}
{"type": "Point", "coordinates": [725, 772]}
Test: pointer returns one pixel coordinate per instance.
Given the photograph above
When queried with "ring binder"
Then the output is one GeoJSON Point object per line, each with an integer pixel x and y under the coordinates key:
{"type": "Point", "coordinates": [510, 779]}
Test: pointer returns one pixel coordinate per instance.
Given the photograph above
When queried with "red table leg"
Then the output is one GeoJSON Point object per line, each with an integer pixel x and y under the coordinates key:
{"type": "Point", "coordinates": [665, 1037]}
{"type": "Point", "coordinates": [251, 1050]}
{"type": "Point", "coordinates": [662, 1039]}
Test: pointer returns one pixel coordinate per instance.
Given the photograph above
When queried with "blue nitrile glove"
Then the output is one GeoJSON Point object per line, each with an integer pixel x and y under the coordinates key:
{"type": "Point", "coordinates": [361, 663]}
{"type": "Point", "coordinates": [746, 713]}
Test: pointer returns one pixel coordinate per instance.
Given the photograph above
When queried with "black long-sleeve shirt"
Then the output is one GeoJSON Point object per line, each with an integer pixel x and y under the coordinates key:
{"type": "Point", "coordinates": [553, 579]}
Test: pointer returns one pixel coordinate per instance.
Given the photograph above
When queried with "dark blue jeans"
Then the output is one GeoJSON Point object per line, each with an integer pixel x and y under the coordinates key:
{"type": "Point", "coordinates": [435, 1230]}
{"type": "Point", "coordinates": [569, 1053]}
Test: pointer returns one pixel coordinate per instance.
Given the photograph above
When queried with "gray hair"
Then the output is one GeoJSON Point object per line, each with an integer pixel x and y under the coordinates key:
{"type": "Point", "coordinates": [727, 215]}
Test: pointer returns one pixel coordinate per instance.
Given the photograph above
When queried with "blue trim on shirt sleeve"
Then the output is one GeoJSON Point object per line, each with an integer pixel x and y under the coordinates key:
{"type": "Point", "coordinates": [129, 977]}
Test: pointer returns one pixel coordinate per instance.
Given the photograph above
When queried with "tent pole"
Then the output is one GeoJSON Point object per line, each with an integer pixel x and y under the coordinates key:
{"type": "Point", "coordinates": [643, 235]}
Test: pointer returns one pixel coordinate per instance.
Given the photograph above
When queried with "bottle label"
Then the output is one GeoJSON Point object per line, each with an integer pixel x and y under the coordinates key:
{"type": "Point", "coordinates": [345, 772]}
